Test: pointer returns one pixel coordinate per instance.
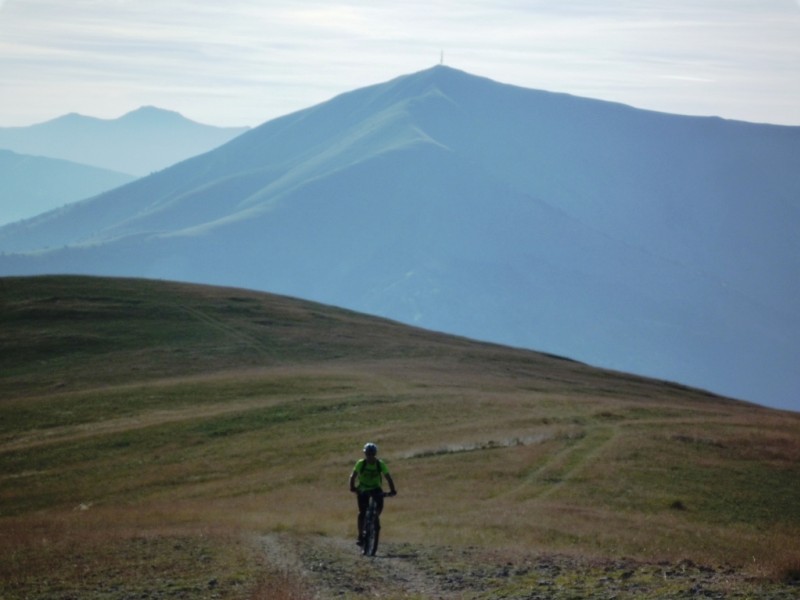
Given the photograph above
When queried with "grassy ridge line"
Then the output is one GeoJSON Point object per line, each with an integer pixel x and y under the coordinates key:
{"type": "Point", "coordinates": [197, 433]}
{"type": "Point", "coordinates": [62, 333]}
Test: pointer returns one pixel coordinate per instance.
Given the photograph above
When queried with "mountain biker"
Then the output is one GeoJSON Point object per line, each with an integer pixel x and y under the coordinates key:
{"type": "Point", "coordinates": [368, 472]}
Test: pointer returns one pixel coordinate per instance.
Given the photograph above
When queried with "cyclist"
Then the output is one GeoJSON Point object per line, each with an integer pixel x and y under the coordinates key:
{"type": "Point", "coordinates": [369, 472]}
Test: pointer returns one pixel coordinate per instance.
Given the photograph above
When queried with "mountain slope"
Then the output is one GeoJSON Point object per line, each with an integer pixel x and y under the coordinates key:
{"type": "Point", "coordinates": [30, 185]}
{"type": "Point", "coordinates": [225, 423]}
{"type": "Point", "coordinates": [640, 241]}
{"type": "Point", "coordinates": [139, 142]}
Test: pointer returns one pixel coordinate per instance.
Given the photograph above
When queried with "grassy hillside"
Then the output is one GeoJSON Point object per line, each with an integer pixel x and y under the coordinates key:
{"type": "Point", "coordinates": [168, 440]}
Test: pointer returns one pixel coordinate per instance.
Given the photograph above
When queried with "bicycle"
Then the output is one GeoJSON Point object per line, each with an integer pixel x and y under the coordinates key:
{"type": "Point", "coordinates": [372, 525]}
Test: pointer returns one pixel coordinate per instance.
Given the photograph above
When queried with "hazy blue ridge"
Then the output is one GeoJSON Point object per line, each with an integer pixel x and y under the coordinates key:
{"type": "Point", "coordinates": [646, 242]}
{"type": "Point", "coordinates": [143, 141]}
{"type": "Point", "coordinates": [30, 185]}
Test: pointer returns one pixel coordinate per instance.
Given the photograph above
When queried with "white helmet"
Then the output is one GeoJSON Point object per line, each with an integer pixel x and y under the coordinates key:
{"type": "Point", "coordinates": [370, 448]}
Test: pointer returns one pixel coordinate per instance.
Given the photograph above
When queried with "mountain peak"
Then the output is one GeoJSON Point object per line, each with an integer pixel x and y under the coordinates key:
{"type": "Point", "coordinates": [152, 113]}
{"type": "Point", "coordinates": [143, 113]}
{"type": "Point", "coordinates": [139, 142]}
{"type": "Point", "coordinates": [440, 74]}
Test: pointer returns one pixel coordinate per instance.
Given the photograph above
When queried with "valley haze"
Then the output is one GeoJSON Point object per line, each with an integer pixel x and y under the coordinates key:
{"type": "Point", "coordinates": [646, 242]}
{"type": "Point", "coordinates": [30, 185]}
{"type": "Point", "coordinates": [44, 166]}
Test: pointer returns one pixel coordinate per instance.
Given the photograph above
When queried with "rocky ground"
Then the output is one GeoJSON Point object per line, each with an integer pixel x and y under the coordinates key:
{"type": "Point", "coordinates": [333, 568]}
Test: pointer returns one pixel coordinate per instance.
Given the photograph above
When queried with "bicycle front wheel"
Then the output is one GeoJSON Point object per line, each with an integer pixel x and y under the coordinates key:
{"type": "Point", "coordinates": [372, 529]}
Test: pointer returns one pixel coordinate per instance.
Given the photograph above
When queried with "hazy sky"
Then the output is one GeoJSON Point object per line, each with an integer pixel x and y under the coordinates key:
{"type": "Point", "coordinates": [243, 62]}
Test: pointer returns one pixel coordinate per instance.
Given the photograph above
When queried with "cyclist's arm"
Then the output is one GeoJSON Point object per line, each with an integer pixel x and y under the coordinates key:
{"type": "Point", "coordinates": [392, 489]}
{"type": "Point", "coordinates": [353, 476]}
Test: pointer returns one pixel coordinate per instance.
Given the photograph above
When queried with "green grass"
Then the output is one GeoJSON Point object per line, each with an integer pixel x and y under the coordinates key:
{"type": "Point", "coordinates": [143, 419]}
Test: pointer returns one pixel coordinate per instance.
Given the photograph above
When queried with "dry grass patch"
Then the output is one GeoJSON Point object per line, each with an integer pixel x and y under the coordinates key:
{"type": "Point", "coordinates": [786, 568]}
{"type": "Point", "coordinates": [108, 555]}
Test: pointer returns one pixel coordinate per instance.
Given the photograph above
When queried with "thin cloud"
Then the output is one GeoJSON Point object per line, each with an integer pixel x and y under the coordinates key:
{"type": "Point", "coordinates": [245, 61]}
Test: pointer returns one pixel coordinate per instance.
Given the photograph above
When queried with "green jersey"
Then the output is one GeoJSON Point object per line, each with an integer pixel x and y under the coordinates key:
{"type": "Point", "coordinates": [370, 475]}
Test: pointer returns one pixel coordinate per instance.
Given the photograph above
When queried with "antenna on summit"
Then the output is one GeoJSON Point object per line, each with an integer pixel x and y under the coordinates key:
{"type": "Point", "coordinates": [441, 57]}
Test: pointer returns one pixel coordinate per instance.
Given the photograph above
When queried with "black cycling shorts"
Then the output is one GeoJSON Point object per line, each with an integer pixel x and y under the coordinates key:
{"type": "Point", "coordinates": [363, 500]}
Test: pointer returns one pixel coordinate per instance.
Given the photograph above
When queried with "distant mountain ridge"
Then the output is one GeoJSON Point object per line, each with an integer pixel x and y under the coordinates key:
{"type": "Point", "coordinates": [651, 243]}
{"type": "Point", "coordinates": [30, 185]}
{"type": "Point", "coordinates": [140, 142]}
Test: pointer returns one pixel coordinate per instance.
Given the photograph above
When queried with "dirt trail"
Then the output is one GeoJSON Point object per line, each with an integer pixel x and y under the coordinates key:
{"type": "Point", "coordinates": [334, 568]}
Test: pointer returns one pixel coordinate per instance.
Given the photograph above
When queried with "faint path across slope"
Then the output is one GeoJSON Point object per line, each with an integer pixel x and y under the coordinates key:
{"type": "Point", "coordinates": [223, 326]}
{"type": "Point", "coordinates": [567, 463]}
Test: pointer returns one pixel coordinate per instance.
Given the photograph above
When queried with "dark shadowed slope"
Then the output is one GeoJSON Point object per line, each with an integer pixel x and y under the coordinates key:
{"type": "Point", "coordinates": [641, 241]}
